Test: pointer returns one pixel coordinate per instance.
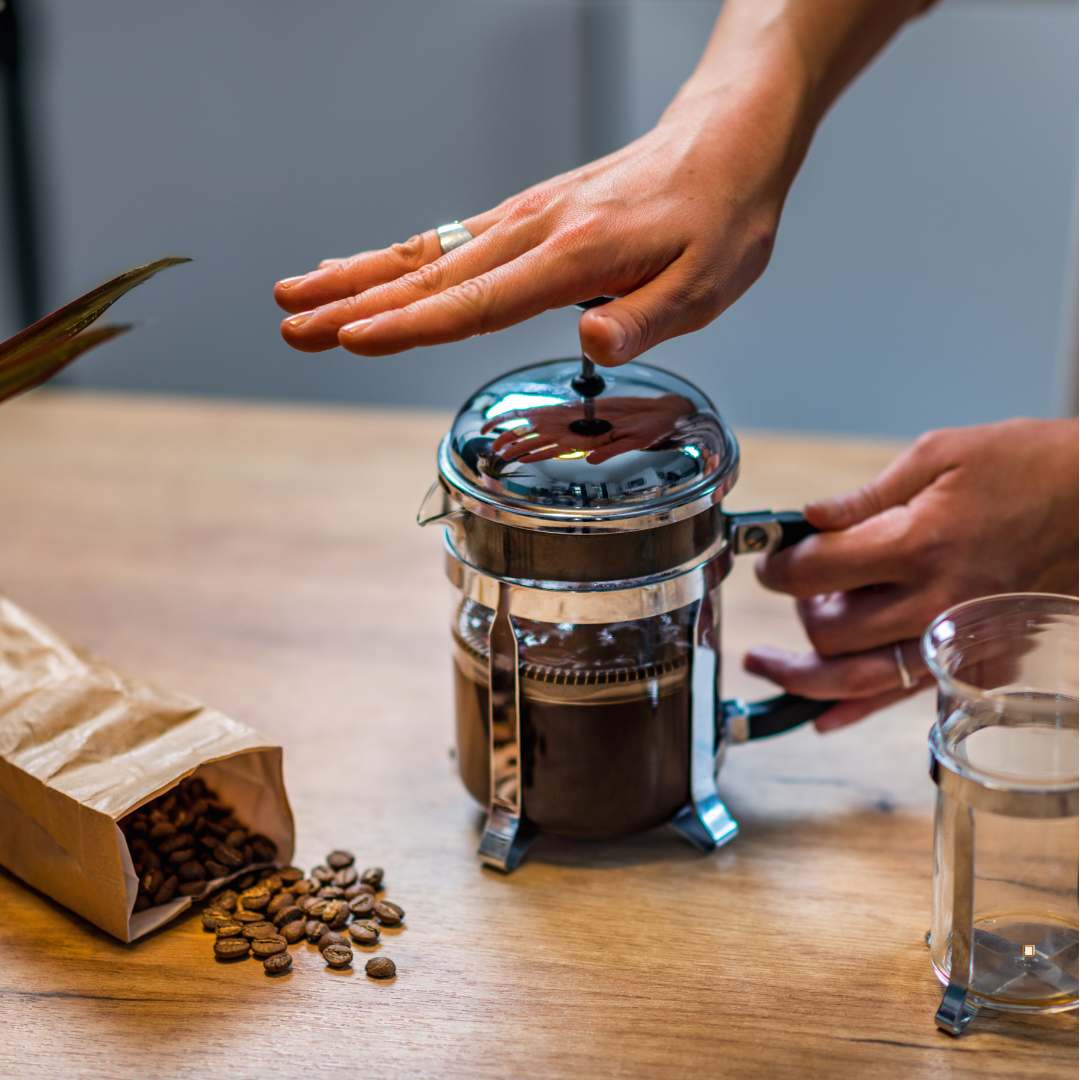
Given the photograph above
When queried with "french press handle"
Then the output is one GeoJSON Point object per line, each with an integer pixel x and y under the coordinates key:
{"type": "Point", "coordinates": [763, 532]}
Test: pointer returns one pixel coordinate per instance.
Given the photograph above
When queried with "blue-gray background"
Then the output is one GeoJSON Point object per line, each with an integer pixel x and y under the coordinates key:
{"type": "Point", "coordinates": [923, 274]}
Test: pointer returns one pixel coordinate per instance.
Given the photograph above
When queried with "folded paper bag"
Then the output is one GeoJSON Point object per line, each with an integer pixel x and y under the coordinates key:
{"type": "Point", "coordinates": [81, 747]}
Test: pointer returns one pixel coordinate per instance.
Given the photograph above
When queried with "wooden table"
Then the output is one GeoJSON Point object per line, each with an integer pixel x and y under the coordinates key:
{"type": "Point", "coordinates": [266, 559]}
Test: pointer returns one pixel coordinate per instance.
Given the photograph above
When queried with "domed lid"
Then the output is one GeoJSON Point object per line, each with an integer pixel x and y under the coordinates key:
{"type": "Point", "coordinates": [556, 446]}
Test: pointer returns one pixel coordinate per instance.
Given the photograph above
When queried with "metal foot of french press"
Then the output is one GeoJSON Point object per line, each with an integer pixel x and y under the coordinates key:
{"type": "Point", "coordinates": [705, 820]}
{"type": "Point", "coordinates": [506, 833]}
{"type": "Point", "coordinates": [957, 1009]}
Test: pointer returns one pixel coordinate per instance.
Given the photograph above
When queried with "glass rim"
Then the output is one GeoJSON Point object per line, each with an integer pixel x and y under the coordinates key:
{"type": "Point", "coordinates": [969, 690]}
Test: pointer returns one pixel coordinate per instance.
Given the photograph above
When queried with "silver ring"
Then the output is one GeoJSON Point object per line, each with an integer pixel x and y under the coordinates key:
{"type": "Point", "coordinates": [906, 681]}
{"type": "Point", "coordinates": [452, 236]}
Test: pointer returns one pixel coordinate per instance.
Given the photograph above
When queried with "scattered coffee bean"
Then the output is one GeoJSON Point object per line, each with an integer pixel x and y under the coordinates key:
{"type": "Point", "coordinates": [228, 929]}
{"type": "Point", "coordinates": [294, 931]}
{"type": "Point", "coordinates": [290, 875]}
{"type": "Point", "coordinates": [245, 916]}
{"type": "Point", "coordinates": [323, 874]}
{"type": "Point", "coordinates": [281, 900]}
{"type": "Point", "coordinates": [246, 882]}
{"type": "Point", "coordinates": [336, 914]}
{"type": "Point", "coordinates": [337, 956]}
{"type": "Point", "coordinates": [338, 860]}
{"type": "Point", "coordinates": [287, 915]}
{"type": "Point", "coordinates": [381, 967]}
{"type": "Point", "coordinates": [388, 914]}
{"type": "Point", "coordinates": [272, 882]}
{"type": "Point", "coordinates": [211, 920]}
{"type": "Point", "coordinates": [373, 876]}
{"type": "Point", "coordinates": [306, 903]}
{"type": "Point", "coordinates": [359, 889]}
{"type": "Point", "coordinates": [277, 964]}
{"type": "Point", "coordinates": [264, 947]}
{"type": "Point", "coordinates": [315, 928]}
{"type": "Point", "coordinates": [303, 888]}
{"type": "Point", "coordinates": [255, 899]}
{"type": "Point", "coordinates": [231, 948]}
{"type": "Point", "coordinates": [227, 900]}
{"type": "Point", "coordinates": [364, 933]}
{"type": "Point", "coordinates": [344, 878]}
{"type": "Point", "coordinates": [331, 892]}
{"type": "Point", "coordinates": [363, 906]}
{"type": "Point", "coordinates": [258, 930]}
{"type": "Point", "coordinates": [331, 938]}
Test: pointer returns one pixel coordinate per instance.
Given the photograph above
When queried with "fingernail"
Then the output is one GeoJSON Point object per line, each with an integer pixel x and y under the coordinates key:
{"type": "Point", "coordinates": [828, 723]}
{"type": "Point", "coordinates": [617, 335]}
{"type": "Point", "coordinates": [355, 327]}
{"type": "Point", "coordinates": [289, 282]}
{"type": "Point", "coordinates": [296, 321]}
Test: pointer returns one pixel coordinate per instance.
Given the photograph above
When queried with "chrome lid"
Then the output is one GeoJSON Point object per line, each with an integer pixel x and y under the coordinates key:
{"type": "Point", "coordinates": [623, 448]}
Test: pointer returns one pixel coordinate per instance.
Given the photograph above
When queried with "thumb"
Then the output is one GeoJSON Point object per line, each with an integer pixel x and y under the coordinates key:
{"type": "Point", "coordinates": [900, 482]}
{"type": "Point", "coordinates": [627, 327]}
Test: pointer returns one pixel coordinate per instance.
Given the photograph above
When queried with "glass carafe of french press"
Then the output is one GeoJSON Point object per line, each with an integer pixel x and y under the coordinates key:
{"type": "Point", "coordinates": [586, 542]}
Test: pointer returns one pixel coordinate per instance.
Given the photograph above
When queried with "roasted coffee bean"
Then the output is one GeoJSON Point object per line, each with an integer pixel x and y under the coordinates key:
{"type": "Point", "coordinates": [215, 870]}
{"type": "Point", "coordinates": [211, 919]}
{"type": "Point", "coordinates": [344, 878]}
{"type": "Point", "coordinates": [150, 859]}
{"type": "Point", "coordinates": [323, 874]}
{"type": "Point", "coordinates": [256, 899]}
{"type": "Point", "coordinates": [178, 858]}
{"type": "Point", "coordinates": [247, 853]}
{"type": "Point", "coordinates": [259, 929]}
{"type": "Point", "coordinates": [306, 903]}
{"type": "Point", "coordinates": [315, 928]}
{"type": "Point", "coordinates": [363, 906]}
{"type": "Point", "coordinates": [272, 882]}
{"type": "Point", "coordinates": [335, 914]}
{"type": "Point", "coordinates": [331, 892]}
{"type": "Point", "coordinates": [191, 888]}
{"type": "Point", "coordinates": [277, 964]}
{"type": "Point", "coordinates": [291, 875]}
{"type": "Point", "coordinates": [142, 902]}
{"type": "Point", "coordinates": [294, 931]}
{"type": "Point", "coordinates": [338, 860]}
{"type": "Point", "coordinates": [264, 848]}
{"type": "Point", "coordinates": [264, 947]}
{"type": "Point", "coordinates": [364, 933]}
{"type": "Point", "coordinates": [303, 888]}
{"type": "Point", "coordinates": [330, 938]}
{"type": "Point", "coordinates": [152, 880]}
{"type": "Point", "coordinates": [167, 891]}
{"type": "Point", "coordinates": [315, 911]}
{"type": "Point", "coordinates": [287, 915]}
{"type": "Point", "coordinates": [213, 829]}
{"type": "Point", "coordinates": [227, 900]}
{"type": "Point", "coordinates": [388, 914]}
{"type": "Point", "coordinates": [229, 929]}
{"type": "Point", "coordinates": [236, 838]}
{"type": "Point", "coordinates": [281, 900]}
{"type": "Point", "coordinates": [381, 967]}
{"type": "Point", "coordinates": [245, 916]}
{"type": "Point", "coordinates": [245, 882]}
{"type": "Point", "coordinates": [359, 889]}
{"type": "Point", "coordinates": [176, 842]}
{"type": "Point", "coordinates": [162, 829]}
{"type": "Point", "coordinates": [191, 871]}
{"type": "Point", "coordinates": [337, 956]}
{"type": "Point", "coordinates": [228, 856]}
{"type": "Point", "coordinates": [373, 876]}
{"type": "Point", "coordinates": [231, 948]}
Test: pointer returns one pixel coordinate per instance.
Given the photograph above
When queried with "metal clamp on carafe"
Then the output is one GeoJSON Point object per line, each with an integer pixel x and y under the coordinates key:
{"type": "Point", "coordinates": [586, 543]}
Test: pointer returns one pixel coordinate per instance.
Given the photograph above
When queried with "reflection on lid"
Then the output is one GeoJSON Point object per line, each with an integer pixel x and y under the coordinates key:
{"type": "Point", "coordinates": [649, 440]}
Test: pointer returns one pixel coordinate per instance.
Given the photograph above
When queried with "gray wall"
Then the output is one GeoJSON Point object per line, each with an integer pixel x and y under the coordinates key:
{"type": "Point", "coordinates": [919, 279]}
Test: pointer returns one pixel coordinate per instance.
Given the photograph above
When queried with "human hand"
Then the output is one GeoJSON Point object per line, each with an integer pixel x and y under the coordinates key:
{"type": "Point", "coordinates": [636, 424]}
{"type": "Point", "coordinates": [964, 512]}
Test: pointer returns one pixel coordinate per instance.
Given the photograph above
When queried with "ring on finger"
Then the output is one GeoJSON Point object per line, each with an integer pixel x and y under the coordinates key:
{"type": "Point", "coordinates": [452, 236]}
{"type": "Point", "coordinates": [907, 681]}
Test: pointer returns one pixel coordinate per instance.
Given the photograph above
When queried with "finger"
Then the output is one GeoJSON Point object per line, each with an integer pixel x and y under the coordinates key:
{"type": "Point", "coordinates": [613, 449]}
{"type": "Point", "coordinates": [860, 675]}
{"type": "Point", "coordinates": [877, 551]}
{"type": "Point", "coordinates": [848, 712]}
{"type": "Point", "coordinates": [509, 293]}
{"type": "Point", "coordinates": [901, 481]}
{"type": "Point", "coordinates": [841, 623]}
{"type": "Point", "coordinates": [664, 307]}
{"type": "Point", "coordinates": [337, 279]}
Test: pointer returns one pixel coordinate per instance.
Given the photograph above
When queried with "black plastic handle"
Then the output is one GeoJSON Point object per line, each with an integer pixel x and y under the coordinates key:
{"type": "Point", "coordinates": [767, 530]}
{"type": "Point", "coordinates": [774, 715]}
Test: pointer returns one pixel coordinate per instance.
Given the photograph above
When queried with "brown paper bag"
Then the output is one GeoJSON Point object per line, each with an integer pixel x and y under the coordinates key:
{"type": "Point", "coordinates": [81, 746]}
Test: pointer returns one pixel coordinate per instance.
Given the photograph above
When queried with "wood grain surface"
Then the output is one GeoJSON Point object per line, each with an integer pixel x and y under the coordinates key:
{"type": "Point", "coordinates": [267, 560]}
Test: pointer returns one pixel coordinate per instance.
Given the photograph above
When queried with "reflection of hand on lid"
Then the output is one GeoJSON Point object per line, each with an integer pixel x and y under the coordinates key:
{"type": "Point", "coordinates": [636, 424]}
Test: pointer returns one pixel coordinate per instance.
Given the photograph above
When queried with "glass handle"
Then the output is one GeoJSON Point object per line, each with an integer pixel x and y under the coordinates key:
{"type": "Point", "coordinates": [764, 531]}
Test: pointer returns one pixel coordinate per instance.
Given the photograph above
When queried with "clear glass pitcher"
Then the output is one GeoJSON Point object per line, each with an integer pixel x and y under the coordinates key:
{"type": "Point", "coordinates": [1003, 753]}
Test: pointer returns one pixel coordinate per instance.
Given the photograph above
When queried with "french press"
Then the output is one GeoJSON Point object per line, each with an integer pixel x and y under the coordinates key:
{"type": "Point", "coordinates": [586, 543]}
